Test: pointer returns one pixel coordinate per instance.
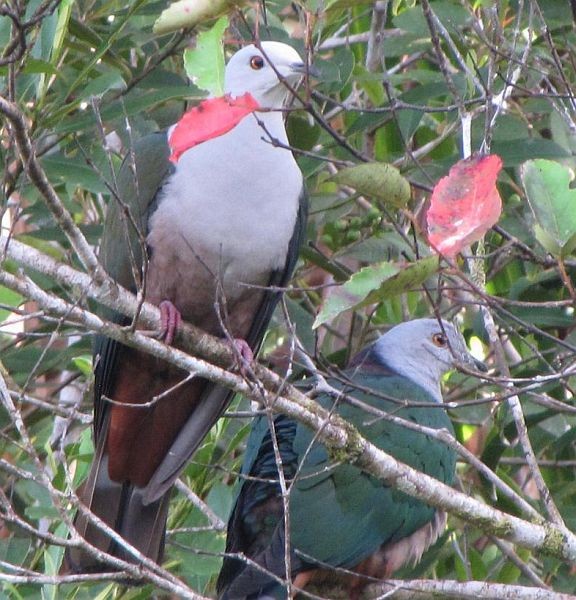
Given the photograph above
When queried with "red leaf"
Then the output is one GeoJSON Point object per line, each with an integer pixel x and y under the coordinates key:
{"type": "Point", "coordinates": [465, 204]}
{"type": "Point", "coordinates": [210, 119]}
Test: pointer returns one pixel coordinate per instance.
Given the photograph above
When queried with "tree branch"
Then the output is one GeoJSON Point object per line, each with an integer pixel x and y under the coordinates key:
{"type": "Point", "coordinates": [38, 177]}
{"type": "Point", "coordinates": [340, 438]}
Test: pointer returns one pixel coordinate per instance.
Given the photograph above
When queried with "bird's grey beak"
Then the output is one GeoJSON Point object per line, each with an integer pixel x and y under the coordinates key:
{"type": "Point", "coordinates": [303, 69]}
{"type": "Point", "coordinates": [481, 366]}
{"type": "Point", "coordinates": [467, 360]}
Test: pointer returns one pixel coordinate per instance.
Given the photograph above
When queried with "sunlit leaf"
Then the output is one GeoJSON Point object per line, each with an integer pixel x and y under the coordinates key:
{"type": "Point", "coordinates": [374, 284]}
{"type": "Point", "coordinates": [8, 298]}
{"type": "Point", "coordinates": [347, 296]}
{"type": "Point", "coordinates": [408, 278]}
{"type": "Point", "coordinates": [205, 64]}
{"type": "Point", "coordinates": [83, 364]}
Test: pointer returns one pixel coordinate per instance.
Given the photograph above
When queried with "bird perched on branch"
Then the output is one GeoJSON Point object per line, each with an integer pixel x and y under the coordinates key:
{"type": "Point", "coordinates": [206, 217]}
{"type": "Point", "coordinates": [345, 525]}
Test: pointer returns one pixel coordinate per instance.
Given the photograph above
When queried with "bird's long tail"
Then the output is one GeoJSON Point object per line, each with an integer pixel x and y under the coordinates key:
{"type": "Point", "coordinates": [121, 507]}
{"type": "Point", "coordinates": [241, 581]}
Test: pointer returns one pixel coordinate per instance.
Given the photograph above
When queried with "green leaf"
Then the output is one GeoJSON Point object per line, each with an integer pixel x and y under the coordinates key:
{"type": "Point", "coordinates": [41, 244]}
{"type": "Point", "coordinates": [14, 550]}
{"type": "Point", "coordinates": [34, 66]}
{"type": "Point", "coordinates": [111, 80]}
{"type": "Point", "coordinates": [450, 13]}
{"type": "Point", "coordinates": [83, 364]}
{"type": "Point", "coordinates": [64, 14]}
{"type": "Point", "coordinates": [73, 171]}
{"type": "Point", "coordinates": [515, 152]}
{"type": "Point", "coordinates": [377, 180]}
{"type": "Point", "coordinates": [340, 4]}
{"type": "Point", "coordinates": [335, 73]}
{"type": "Point", "coordinates": [347, 296]}
{"type": "Point", "coordinates": [135, 104]}
{"type": "Point", "coordinates": [553, 203]}
{"type": "Point", "coordinates": [301, 133]}
{"type": "Point", "coordinates": [544, 316]}
{"type": "Point", "coordinates": [205, 64]}
{"type": "Point", "coordinates": [8, 298]}
{"type": "Point", "coordinates": [476, 564]}
{"type": "Point", "coordinates": [374, 284]}
{"type": "Point", "coordinates": [405, 280]}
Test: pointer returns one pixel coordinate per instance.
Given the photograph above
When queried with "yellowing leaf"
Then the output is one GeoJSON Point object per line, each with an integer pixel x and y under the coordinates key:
{"type": "Point", "coordinates": [377, 180]}
{"type": "Point", "coordinates": [189, 13]}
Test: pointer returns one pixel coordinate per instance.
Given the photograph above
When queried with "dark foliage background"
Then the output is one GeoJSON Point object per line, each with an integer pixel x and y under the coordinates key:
{"type": "Point", "coordinates": [413, 84]}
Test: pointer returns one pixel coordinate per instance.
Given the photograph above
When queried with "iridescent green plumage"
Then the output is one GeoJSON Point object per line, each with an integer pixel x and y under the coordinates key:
{"type": "Point", "coordinates": [339, 515]}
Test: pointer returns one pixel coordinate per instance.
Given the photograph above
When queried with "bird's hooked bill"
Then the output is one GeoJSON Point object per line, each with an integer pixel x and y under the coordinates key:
{"type": "Point", "coordinates": [480, 365]}
{"type": "Point", "coordinates": [305, 69]}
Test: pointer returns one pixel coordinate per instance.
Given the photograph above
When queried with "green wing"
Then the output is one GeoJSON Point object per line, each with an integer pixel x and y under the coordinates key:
{"type": "Point", "coordinates": [360, 512]}
{"type": "Point", "coordinates": [139, 180]}
{"type": "Point", "coordinates": [339, 514]}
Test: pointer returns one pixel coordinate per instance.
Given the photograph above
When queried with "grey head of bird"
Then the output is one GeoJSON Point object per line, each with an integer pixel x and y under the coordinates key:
{"type": "Point", "coordinates": [250, 70]}
{"type": "Point", "coordinates": [423, 350]}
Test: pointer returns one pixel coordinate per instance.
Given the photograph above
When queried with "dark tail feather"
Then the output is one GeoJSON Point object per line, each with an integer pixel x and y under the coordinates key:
{"type": "Point", "coordinates": [246, 582]}
{"type": "Point", "coordinates": [121, 507]}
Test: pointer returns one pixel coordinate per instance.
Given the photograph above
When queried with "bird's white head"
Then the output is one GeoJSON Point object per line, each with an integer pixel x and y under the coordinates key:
{"type": "Point", "coordinates": [255, 71]}
{"type": "Point", "coordinates": [423, 350]}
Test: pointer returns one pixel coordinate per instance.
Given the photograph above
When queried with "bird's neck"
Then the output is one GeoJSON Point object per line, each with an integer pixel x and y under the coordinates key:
{"type": "Point", "coordinates": [254, 147]}
{"type": "Point", "coordinates": [427, 380]}
{"type": "Point", "coordinates": [269, 125]}
{"type": "Point", "coordinates": [423, 374]}
{"type": "Point", "coordinates": [236, 196]}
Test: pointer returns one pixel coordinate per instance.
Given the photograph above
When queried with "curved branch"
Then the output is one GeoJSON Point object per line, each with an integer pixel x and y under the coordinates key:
{"type": "Point", "coordinates": [271, 390]}
{"type": "Point", "coordinates": [38, 177]}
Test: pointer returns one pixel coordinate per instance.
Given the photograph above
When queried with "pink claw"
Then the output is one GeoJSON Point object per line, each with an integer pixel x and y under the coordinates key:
{"type": "Point", "coordinates": [244, 349]}
{"type": "Point", "coordinates": [245, 352]}
{"type": "Point", "coordinates": [171, 319]}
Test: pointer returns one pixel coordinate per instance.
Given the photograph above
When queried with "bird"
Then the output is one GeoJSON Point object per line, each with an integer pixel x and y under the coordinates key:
{"type": "Point", "coordinates": [209, 238]}
{"type": "Point", "coordinates": [345, 525]}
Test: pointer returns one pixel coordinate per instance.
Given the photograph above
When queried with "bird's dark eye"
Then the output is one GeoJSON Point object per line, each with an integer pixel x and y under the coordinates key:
{"type": "Point", "coordinates": [440, 340]}
{"type": "Point", "coordinates": [256, 62]}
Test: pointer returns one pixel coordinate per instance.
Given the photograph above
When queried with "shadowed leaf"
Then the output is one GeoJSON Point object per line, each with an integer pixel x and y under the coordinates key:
{"type": "Point", "coordinates": [553, 203]}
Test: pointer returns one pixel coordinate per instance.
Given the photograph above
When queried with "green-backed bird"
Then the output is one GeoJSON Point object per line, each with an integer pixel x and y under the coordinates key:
{"type": "Point", "coordinates": [203, 238]}
{"type": "Point", "coordinates": [346, 526]}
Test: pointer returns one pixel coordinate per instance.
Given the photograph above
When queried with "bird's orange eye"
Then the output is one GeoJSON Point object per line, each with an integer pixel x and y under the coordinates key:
{"type": "Point", "coordinates": [440, 340]}
{"type": "Point", "coordinates": [256, 62]}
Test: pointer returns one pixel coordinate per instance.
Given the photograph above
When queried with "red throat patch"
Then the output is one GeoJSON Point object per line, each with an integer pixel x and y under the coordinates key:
{"type": "Point", "coordinates": [211, 118]}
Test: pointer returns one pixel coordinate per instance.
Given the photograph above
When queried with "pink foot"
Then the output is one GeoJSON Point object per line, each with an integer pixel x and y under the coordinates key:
{"type": "Point", "coordinates": [245, 352]}
{"type": "Point", "coordinates": [171, 319]}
